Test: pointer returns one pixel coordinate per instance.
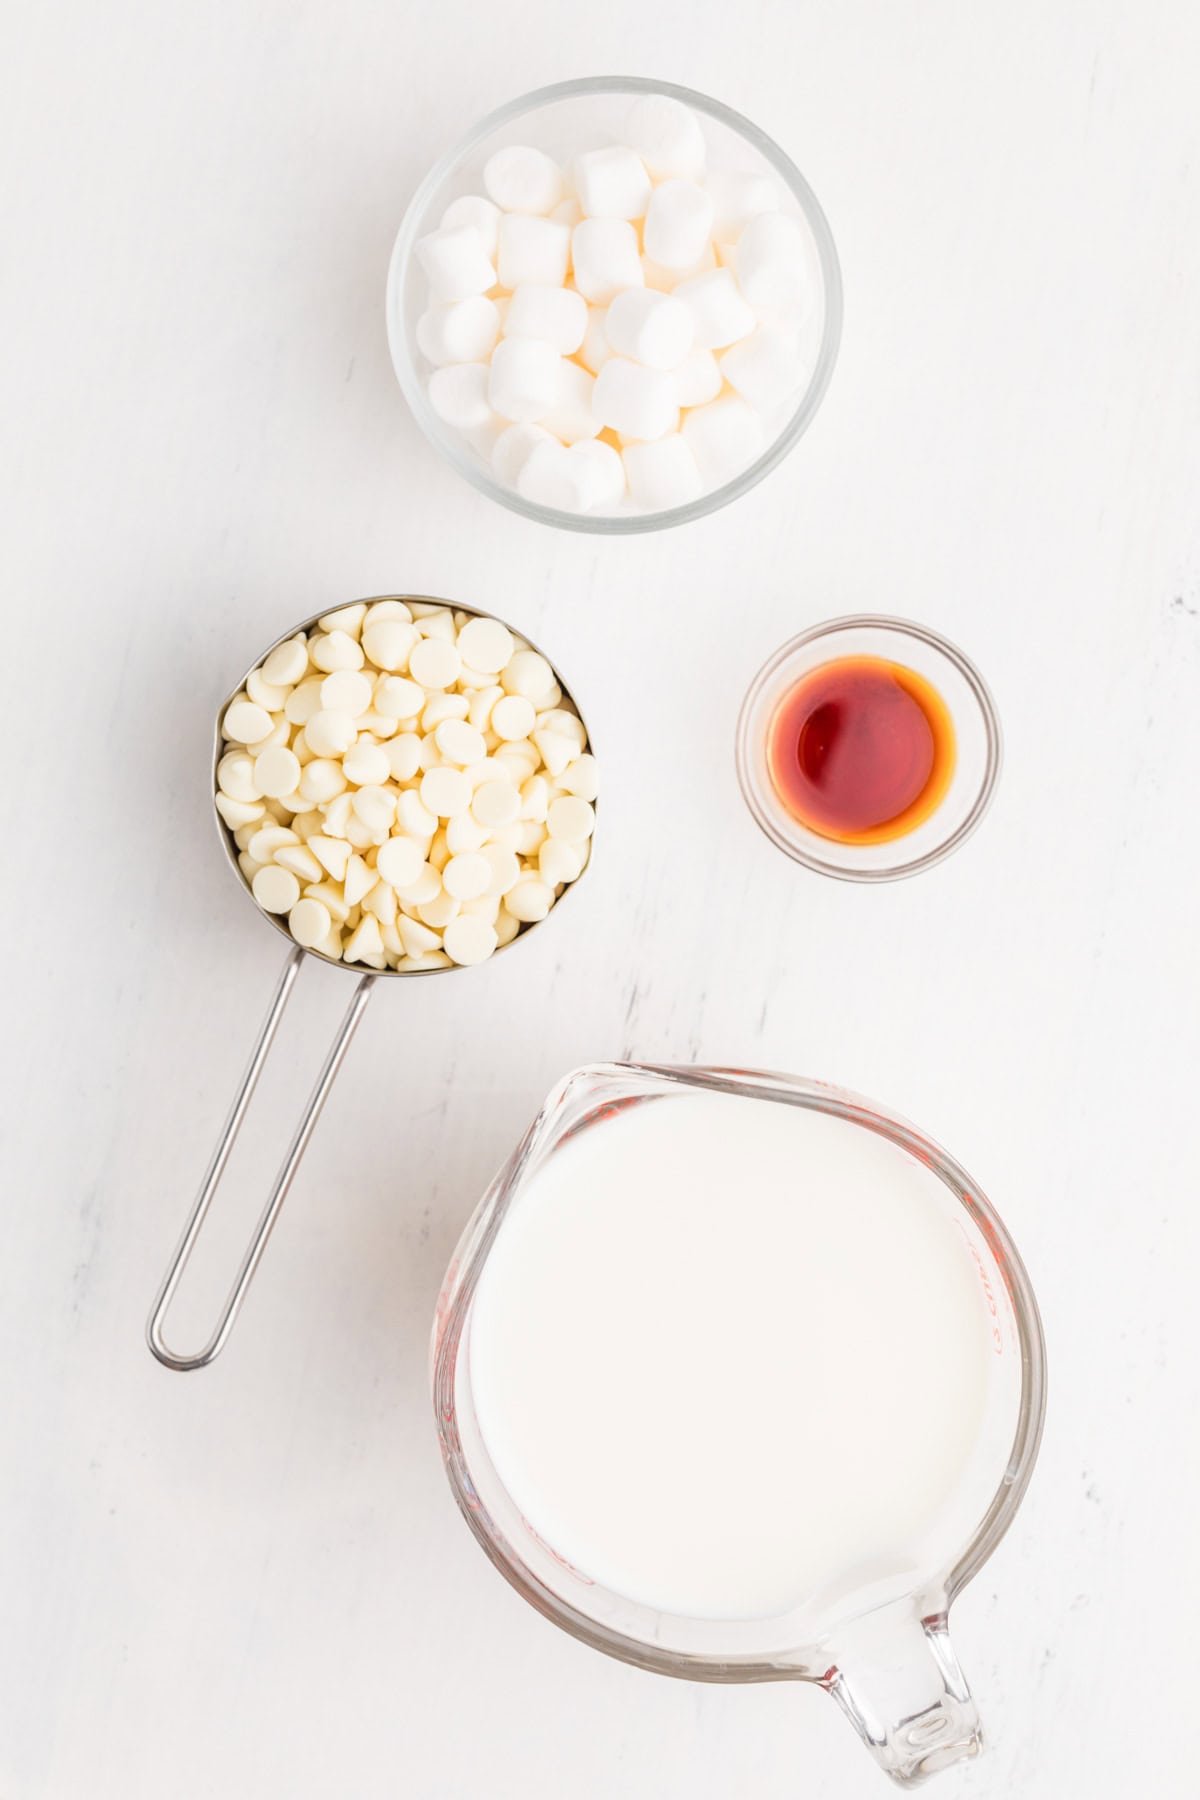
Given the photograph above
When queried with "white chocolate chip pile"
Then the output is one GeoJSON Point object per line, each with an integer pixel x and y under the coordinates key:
{"type": "Point", "coordinates": [409, 785]}
{"type": "Point", "coordinates": [625, 334]}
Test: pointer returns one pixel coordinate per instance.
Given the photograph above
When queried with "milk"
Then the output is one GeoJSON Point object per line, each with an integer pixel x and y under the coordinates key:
{"type": "Point", "coordinates": [731, 1359]}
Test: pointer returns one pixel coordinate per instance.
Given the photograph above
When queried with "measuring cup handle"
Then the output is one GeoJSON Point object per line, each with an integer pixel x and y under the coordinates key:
{"type": "Point", "coordinates": [283, 1181]}
{"type": "Point", "coordinates": [897, 1679]}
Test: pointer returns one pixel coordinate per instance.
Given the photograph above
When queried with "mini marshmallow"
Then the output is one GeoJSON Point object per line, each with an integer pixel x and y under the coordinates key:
{"type": "Point", "coordinates": [737, 197]}
{"type": "Point", "coordinates": [724, 437]}
{"type": "Point", "coordinates": [526, 379]}
{"type": "Point", "coordinates": [697, 378]}
{"type": "Point", "coordinates": [568, 211]}
{"type": "Point", "coordinates": [600, 473]}
{"type": "Point", "coordinates": [480, 214]}
{"type": "Point", "coordinates": [523, 180]}
{"type": "Point", "coordinates": [583, 477]}
{"type": "Point", "coordinates": [765, 368]}
{"type": "Point", "coordinates": [666, 135]}
{"type": "Point", "coordinates": [606, 259]}
{"type": "Point", "coordinates": [678, 224]}
{"type": "Point", "coordinates": [533, 249]}
{"type": "Point", "coordinates": [457, 264]}
{"type": "Point", "coordinates": [656, 275]}
{"type": "Point", "coordinates": [650, 328]}
{"type": "Point", "coordinates": [637, 402]}
{"type": "Point", "coordinates": [720, 314]}
{"type": "Point", "coordinates": [773, 262]}
{"type": "Point", "coordinates": [595, 349]}
{"type": "Point", "coordinates": [458, 394]}
{"type": "Point", "coordinates": [612, 183]}
{"type": "Point", "coordinates": [662, 474]}
{"type": "Point", "coordinates": [556, 315]}
{"type": "Point", "coordinates": [571, 417]}
{"type": "Point", "coordinates": [513, 448]}
{"type": "Point", "coordinates": [463, 332]}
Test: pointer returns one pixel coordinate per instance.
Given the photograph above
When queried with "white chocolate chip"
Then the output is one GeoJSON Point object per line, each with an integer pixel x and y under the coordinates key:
{"type": "Point", "coordinates": [570, 818]}
{"type": "Point", "coordinates": [276, 772]}
{"type": "Point", "coordinates": [446, 791]}
{"type": "Point", "coordinates": [309, 923]}
{"type": "Point", "coordinates": [375, 807]}
{"type": "Point", "coordinates": [288, 662]}
{"type": "Point", "coordinates": [238, 812]}
{"type": "Point", "coordinates": [485, 644]}
{"type": "Point", "coordinates": [275, 889]}
{"type": "Point", "coordinates": [358, 882]}
{"type": "Point", "coordinates": [364, 941]}
{"type": "Point", "coordinates": [265, 693]}
{"type": "Point", "coordinates": [235, 776]}
{"type": "Point", "coordinates": [580, 778]}
{"type": "Point", "coordinates": [247, 723]}
{"type": "Point", "coordinates": [333, 853]}
{"type": "Point", "coordinates": [528, 674]}
{"type": "Point", "coordinates": [435, 663]}
{"type": "Point", "coordinates": [335, 650]}
{"type": "Point", "coordinates": [365, 764]}
{"type": "Point", "coordinates": [467, 876]}
{"type": "Point", "coordinates": [469, 939]}
{"type": "Point", "coordinates": [330, 733]}
{"type": "Point", "coordinates": [529, 901]}
{"type": "Point", "coordinates": [321, 780]}
{"type": "Point", "coordinates": [513, 717]}
{"type": "Point", "coordinates": [495, 803]}
{"type": "Point", "coordinates": [400, 862]}
{"type": "Point", "coordinates": [346, 691]}
{"type": "Point", "coordinates": [303, 701]}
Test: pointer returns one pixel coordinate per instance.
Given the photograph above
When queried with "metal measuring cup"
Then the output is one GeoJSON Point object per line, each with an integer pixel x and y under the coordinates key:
{"type": "Point", "coordinates": [266, 1036]}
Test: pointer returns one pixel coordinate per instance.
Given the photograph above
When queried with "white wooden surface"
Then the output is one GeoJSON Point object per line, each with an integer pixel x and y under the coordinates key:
{"type": "Point", "coordinates": [251, 1584]}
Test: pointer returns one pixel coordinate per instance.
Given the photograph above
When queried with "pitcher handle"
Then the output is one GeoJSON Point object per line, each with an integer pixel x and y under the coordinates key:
{"type": "Point", "coordinates": [897, 1679]}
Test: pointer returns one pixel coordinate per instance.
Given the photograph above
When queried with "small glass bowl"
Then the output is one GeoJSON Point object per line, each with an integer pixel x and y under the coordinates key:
{"type": "Point", "coordinates": [977, 741]}
{"type": "Point", "coordinates": [563, 120]}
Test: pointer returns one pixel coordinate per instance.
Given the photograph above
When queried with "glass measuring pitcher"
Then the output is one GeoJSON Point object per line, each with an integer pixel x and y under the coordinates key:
{"type": "Point", "coordinates": [740, 1378]}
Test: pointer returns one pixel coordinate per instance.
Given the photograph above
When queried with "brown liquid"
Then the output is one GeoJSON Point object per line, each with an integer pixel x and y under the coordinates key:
{"type": "Point", "coordinates": [861, 750]}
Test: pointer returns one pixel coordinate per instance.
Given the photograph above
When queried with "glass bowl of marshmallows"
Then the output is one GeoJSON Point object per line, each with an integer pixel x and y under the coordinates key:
{"type": "Point", "coordinates": [614, 306]}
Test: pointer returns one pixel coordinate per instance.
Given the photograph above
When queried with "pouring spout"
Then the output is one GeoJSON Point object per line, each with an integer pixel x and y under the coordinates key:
{"type": "Point", "coordinates": [897, 1679]}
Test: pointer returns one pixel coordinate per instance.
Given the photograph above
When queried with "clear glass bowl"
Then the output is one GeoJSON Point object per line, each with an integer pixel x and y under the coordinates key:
{"type": "Point", "coordinates": [563, 120]}
{"type": "Point", "coordinates": [976, 730]}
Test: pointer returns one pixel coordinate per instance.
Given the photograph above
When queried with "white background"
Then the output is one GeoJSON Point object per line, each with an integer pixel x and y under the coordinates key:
{"type": "Point", "coordinates": [251, 1584]}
